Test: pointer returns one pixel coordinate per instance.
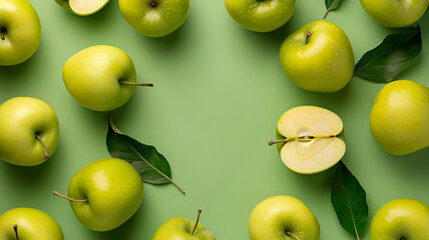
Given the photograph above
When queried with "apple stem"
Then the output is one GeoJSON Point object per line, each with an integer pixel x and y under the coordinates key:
{"type": "Point", "coordinates": [44, 146]}
{"type": "Point", "coordinates": [326, 13]}
{"type": "Point", "coordinates": [196, 222]}
{"type": "Point", "coordinates": [152, 3]}
{"type": "Point", "coordinates": [291, 235]}
{"type": "Point", "coordinates": [307, 37]}
{"type": "Point", "coordinates": [73, 200]}
{"type": "Point", "coordinates": [15, 228]}
{"type": "Point", "coordinates": [3, 32]}
{"type": "Point", "coordinates": [272, 142]}
{"type": "Point", "coordinates": [137, 84]}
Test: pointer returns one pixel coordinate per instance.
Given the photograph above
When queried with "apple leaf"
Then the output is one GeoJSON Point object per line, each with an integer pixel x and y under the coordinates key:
{"type": "Point", "coordinates": [349, 201]}
{"type": "Point", "coordinates": [152, 166]}
{"type": "Point", "coordinates": [331, 5]}
{"type": "Point", "coordinates": [397, 51]}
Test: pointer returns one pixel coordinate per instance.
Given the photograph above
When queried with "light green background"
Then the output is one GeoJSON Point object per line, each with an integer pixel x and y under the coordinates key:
{"type": "Point", "coordinates": [219, 90]}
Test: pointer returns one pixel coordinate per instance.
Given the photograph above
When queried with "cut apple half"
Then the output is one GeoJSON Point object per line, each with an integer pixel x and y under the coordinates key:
{"type": "Point", "coordinates": [83, 7]}
{"type": "Point", "coordinates": [310, 139]}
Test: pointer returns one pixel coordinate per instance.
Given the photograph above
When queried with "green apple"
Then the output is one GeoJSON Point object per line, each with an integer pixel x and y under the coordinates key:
{"type": "Point", "coordinates": [399, 119]}
{"type": "Point", "coordinates": [310, 139]}
{"type": "Point", "coordinates": [283, 217]}
{"type": "Point", "coordinates": [28, 131]}
{"type": "Point", "coordinates": [395, 13]}
{"type": "Point", "coordinates": [401, 219]}
{"type": "Point", "coordinates": [183, 229]}
{"type": "Point", "coordinates": [100, 78]}
{"type": "Point", "coordinates": [29, 224]}
{"type": "Point", "coordinates": [260, 15]}
{"type": "Point", "coordinates": [318, 57]}
{"type": "Point", "coordinates": [82, 7]}
{"type": "Point", "coordinates": [105, 194]}
{"type": "Point", "coordinates": [155, 18]}
{"type": "Point", "coordinates": [20, 31]}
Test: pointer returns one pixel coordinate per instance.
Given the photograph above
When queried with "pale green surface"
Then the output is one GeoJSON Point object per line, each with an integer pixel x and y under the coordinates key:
{"type": "Point", "coordinates": [219, 91]}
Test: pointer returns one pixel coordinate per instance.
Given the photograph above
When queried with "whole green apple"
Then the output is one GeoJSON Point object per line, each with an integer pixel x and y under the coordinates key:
{"type": "Point", "coordinates": [28, 131]}
{"type": "Point", "coordinates": [401, 219]}
{"type": "Point", "coordinates": [155, 18]}
{"type": "Point", "coordinates": [29, 224]}
{"type": "Point", "coordinates": [310, 139]}
{"type": "Point", "coordinates": [20, 31]}
{"type": "Point", "coordinates": [394, 13]}
{"type": "Point", "coordinates": [318, 57]}
{"type": "Point", "coordinates": [105, 194]}
{"type": "Point", "coordinates": [283, 217]}
{"type": "Point", "coordinates": [100, 78]}
{"type": "Point", "coordinates": [183, 229]}
{"type": "Point", "coordinates": [82, 7]}
{"type": "Point", "coordinates": [399, 119]}
{"type": "Point", "coordinates": [260, 15]}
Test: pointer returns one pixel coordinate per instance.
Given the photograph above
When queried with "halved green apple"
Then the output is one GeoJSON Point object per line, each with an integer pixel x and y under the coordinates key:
{"type": "Point", "coordinates": [82, 7]}
{"type": "Point", "coordinates": [310, 139]}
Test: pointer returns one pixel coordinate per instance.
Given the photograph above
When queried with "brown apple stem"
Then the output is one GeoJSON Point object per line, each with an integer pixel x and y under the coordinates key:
{"type": "Point", "coordinates": [272, 142]}
{"type": "Point", "coordinates": [44, 146]}
{"type": "Point", "coordinates": [196, 222]}
{"type": "Point", "coordinates": [291, 235]}
{"type": "Point", "coordinates": [152, 3]}
{"type": "Point", "coordinates": [326, 13]}
{"type": "Point", "coordinates": [15, 228]}
{"type": "Point", "coordinates": [73, 200]}
{"type": "Point", "coordinates": [307, 37]}
{"type": "Point", "coordinates": [137, 84]}
{"type": "Point", "coordinates": [3, 32]}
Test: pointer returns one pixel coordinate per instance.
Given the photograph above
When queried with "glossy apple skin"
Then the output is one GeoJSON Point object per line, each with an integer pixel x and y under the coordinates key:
{"type": "Point", "coordinates": [325, 64]}
{"type": "Point", "coordinates": [181, 229]}
{"type": "Point", "coordinates": [21, 118]}
{"type": "Point", "coordinates": [260, 16]}
{"type": "Point", "coordinates": [274, 216]}
{"type": "Point", "coordinates": [32, 224]}
{"type": "Point", "coordinates": [401, 219]}
{"type": "Point", "coordinates": [399, 119]}
{"type": "Point", "coordinates": [114, 191]}
{"type": "Point", "coordinates": [394, 13]}
{"type": "Point", "coordinates": [23, 31]}
{"type": "Point", "coordinates": [155, 21]}
{"type": "Point", "coordinates": [92, 77]}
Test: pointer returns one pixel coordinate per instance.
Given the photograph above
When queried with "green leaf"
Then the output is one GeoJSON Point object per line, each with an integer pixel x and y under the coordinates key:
{"type": "Point", "coordinates": [349, 201]}
{"type": "Point", "coordinates": [331, 5]}
{"type": "Point", "coordinates": [394, 54]}
{"type": "Point", "coordinates": [149, 163]}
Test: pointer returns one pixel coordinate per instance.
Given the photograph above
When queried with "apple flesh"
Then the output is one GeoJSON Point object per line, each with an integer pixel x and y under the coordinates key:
{"type": "Point", "coordinates": [155, 18]}
{"type": "Point", "coordinates": [105, 194]}
{"type": "Point", "coordinates": [83, 7]}
{"type": "Point", "coordinates": [401, 219]}
{"type": "Point", "coordinates": [20, 31]}
{"type": "Point", "coordinates": [100, 78]}
{"type": "Point", "coordinates": [183, 229]}
{"type": "Point", "coordinates": [310, 139]}
{"type": "Point", "coordinates": [260, 15]}
{"type": "Point", "coordinates": [318, 57]}
{"type": "Point", "coordinates": [283, 217]}
{"type": "Point", "coordinates": [394, 13]}
{"type": "Point", "coordinates": [29, 223]}
{"type": "Point", "coordinates": [29, 131]}
{"type": "Point", "coordinates": [399, 119]}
